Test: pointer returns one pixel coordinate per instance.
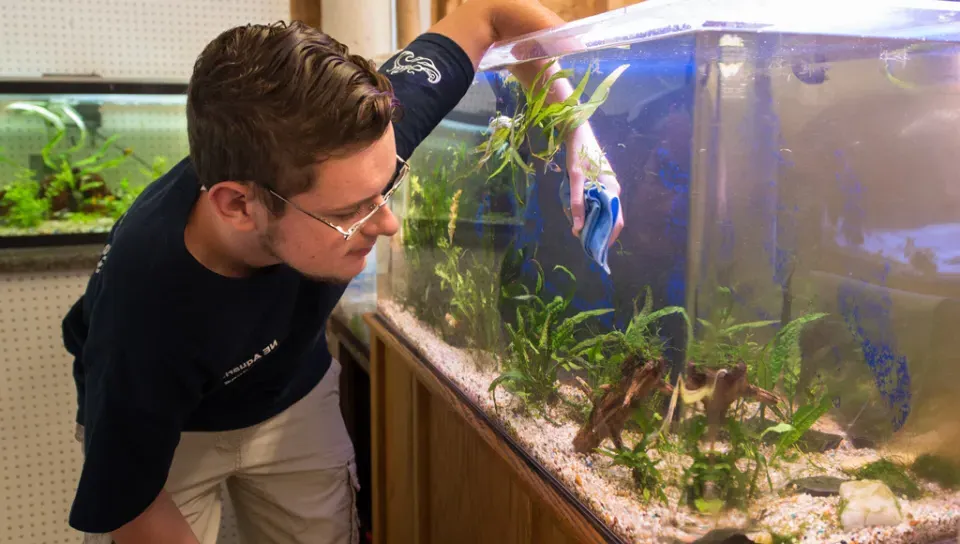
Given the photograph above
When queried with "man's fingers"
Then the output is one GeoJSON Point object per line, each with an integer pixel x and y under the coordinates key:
{"type": "Point", "coordinates": [576, 201]}
{"type": "Point", "coordinates": [617, 227]}
{"type": "Point", "coordinates": [611, 183]}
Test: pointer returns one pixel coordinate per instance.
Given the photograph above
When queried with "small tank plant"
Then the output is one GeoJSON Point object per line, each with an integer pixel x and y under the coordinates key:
{"type": "Point", "coordinates": [553, 122]}
{"type": "Point", "coordinates": [541, 339]}
{"type": "Point", "coordinates": [468, 280]}
{"type": "Point", "coordinates": [74, 191]}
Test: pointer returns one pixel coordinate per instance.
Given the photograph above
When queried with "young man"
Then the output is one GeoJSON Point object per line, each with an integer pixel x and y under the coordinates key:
{"type": "Point", "coordinates": [199, 343]}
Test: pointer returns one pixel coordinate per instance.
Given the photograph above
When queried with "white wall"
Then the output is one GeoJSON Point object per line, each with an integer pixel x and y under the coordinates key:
{"type": "Point", "coordinates": [157, 39]}
{"type": "Point", "coordinates": [154, 39]}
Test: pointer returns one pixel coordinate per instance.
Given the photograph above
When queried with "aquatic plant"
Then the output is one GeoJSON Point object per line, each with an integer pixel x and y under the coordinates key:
{"type": "Point", "coordinates": [540, 341]}
{"type": "Point", "coordinates": [427, 204]}
{"type": "Point", "coordinates": [635, 369]}
{"type": "Point", "coordinates": [73, 188]}
{"type": "Point", "coordinates": [20, 203]}
{"type": "Point", "coordinates": [727, 364]}
{"type": "Point", "coordinates": [894, 475]}
{"type": "Point", "coordinates": [74, 184]}
{"type": "Point", "coordinates": [937, 469]}
{"type": "Point", "coordinates": [643, 469]}
{"type": "Point", "coordinates": [555, 121]}
{"type": "Point", "coordinates": [429, 199]}
{"type": "Point", "coordinates": [714, 479]}
{"type": "Point", "coordinates": [642, 337]}
{"type": "Point", "coordinates": [472, 308]}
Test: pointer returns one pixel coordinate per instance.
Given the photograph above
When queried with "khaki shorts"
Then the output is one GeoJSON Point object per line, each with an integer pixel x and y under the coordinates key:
{"type": "Point", "coordinates": [291, 479]}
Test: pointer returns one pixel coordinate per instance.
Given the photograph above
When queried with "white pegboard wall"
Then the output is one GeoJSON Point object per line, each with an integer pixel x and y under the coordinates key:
{"type": "Point", "coordinates": [151, 39]}
{"type": "Point", "coordinates": [39, 457]}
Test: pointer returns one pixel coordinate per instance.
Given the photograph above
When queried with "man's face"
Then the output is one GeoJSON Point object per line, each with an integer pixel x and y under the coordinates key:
{"type": "Point", "coordinates": [346, 188]}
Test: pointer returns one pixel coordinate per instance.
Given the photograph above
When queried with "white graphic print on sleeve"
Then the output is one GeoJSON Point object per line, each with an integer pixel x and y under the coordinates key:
{"type": "Point", "coordinates": [103, 259]}
{"type": "Point", "coordinates": [407, 62]}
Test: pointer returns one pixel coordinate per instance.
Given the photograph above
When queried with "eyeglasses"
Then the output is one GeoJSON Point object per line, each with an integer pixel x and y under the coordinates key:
{"type": "Point", "coordinates": [403, 169]}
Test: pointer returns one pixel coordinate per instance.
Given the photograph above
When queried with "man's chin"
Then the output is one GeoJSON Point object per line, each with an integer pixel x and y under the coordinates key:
{"type": "Point", "coordinates": [331, 279]}
{"type": "Point", "coordinates": [339, 277]}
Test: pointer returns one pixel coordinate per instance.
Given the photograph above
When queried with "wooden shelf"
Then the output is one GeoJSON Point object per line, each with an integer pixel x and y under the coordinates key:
{"type": "Point", "coordinates": [443, 472]}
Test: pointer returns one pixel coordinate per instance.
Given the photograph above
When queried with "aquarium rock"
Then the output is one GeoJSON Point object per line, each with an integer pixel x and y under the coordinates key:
{"type": "Point", "coordinates": [600, 210]}
{"type": "Point", "coordinates": [868, 503]}
{"type": "Point", "coordinates": [818, 486]}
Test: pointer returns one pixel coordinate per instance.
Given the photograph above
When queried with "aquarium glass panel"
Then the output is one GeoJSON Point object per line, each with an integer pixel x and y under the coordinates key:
{"type": "Point", "coordinates": [72, 163]}
{"type": "Point", "coordinates": [359, 298]}
{"type": "Point", "coordinates": [773, 352]}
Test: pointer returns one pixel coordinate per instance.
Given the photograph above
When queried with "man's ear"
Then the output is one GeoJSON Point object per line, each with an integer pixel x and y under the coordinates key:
{"type": "Point", "coordinates": [234, 202]}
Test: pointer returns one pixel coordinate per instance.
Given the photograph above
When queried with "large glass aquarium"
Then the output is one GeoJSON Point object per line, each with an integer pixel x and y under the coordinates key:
{"type": "Point", "coordinates": [774, 352]}
{"type": "Point", "coordinates": [76, 151]}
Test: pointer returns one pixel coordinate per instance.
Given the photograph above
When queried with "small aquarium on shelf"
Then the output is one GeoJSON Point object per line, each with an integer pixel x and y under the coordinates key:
{"type": "Point", "coordinates": [76, 152]}
{"type": "Point", "coordinates": [770, 352]}
{"type": "Point", "coordinates": [359, 298]}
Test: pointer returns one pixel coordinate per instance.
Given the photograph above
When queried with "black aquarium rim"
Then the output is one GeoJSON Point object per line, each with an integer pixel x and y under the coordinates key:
{"type": "Point", "coordinates": [90, 84]}
{"type": "Point", "coordinates": [532, 463]}
{"type": "Point", "coordinates": [53, 240]}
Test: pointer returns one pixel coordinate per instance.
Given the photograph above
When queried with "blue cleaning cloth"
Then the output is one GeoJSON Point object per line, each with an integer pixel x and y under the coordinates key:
{"type": "Point", "coordinates": [600, 210]}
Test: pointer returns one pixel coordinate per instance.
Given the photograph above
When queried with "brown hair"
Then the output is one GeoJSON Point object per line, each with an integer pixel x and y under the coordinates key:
{"type": "Point", "coordinates": [266, 102]}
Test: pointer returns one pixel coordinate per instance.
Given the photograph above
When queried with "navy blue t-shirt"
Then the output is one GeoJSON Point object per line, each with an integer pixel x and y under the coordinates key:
{"type": "Point", "coordinates": [163, 345]}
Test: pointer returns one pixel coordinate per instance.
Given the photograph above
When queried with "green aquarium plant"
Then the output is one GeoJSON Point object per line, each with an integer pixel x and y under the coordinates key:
{"type": "Point", "coordinates": [770, 371]}
{"type": "Point", "coordinates": [74, 184]}
{"type": "Point", "coordinates": [473, 315]}
{"type": "Point", "coordinates": [622, 380]}
{"type": "Point", "coordinates": [891, 473]}
{"type": "Point", "coordinates": [20, 203]}
{"type": "Point", "coordinates": [641, 340]}
{"type": "Point", "coordinates": [426, 214]}
{"type": "Point", "coordinates": [73, 187]}
{"type": "Point", "coordinates": [715, 480]}
{"type": "Point", "coordinates": [643, 469]}
{"type": "Point", "coordinates": [431, 192]}
{"type": "Point", "coordinates": [937, 469]}
{"type": "Point", "coordinates": [555, 121]}
{"type": "Point", "coordinates": [540, 341]}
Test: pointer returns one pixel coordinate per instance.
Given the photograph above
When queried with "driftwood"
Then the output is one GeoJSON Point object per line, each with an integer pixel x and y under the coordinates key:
{"type": "Point", "coordinates": [611, 412]}
{"type": "Point", "coordinates": [727, 385]}
{"type": "Point", "coordinates": [722, 388]}
{"type": "Point", "coordinates": [719, 390]}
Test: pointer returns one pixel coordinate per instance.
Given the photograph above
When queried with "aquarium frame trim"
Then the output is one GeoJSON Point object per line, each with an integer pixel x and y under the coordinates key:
{"type": "Point", "coordinates": [357, 349]}
{"type": "Point", "coordinates": [65, 239]}
{"type": "Point", "coordinates": [81, 86]}
{"type": "Point", "coordinates": [602, 529]}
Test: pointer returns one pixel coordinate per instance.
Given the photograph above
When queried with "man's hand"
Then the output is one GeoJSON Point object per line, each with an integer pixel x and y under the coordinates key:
{"type": "Point", "coordinates": [478, 24]}
{"type": "Point", "coordinates": [584, 155]}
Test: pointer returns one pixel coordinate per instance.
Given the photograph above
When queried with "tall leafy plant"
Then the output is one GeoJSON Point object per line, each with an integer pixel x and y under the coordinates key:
{"type": "Point", "coordinates": [601, 355]}
{"type": "Point", "coordinates": [74, 183]}
{"type": "Point", "coordinates": [772, 365]}
{"type": "Point", "coordinates": [554, 121]}
{"type": "Point", "coordinates": [472, 308]}
{"type": "Point", "coordinates": [540, 341]}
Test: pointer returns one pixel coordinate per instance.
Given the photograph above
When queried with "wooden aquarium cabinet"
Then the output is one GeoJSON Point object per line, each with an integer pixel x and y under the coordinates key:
{"type": "Point", "coordinates": [442, 473]}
